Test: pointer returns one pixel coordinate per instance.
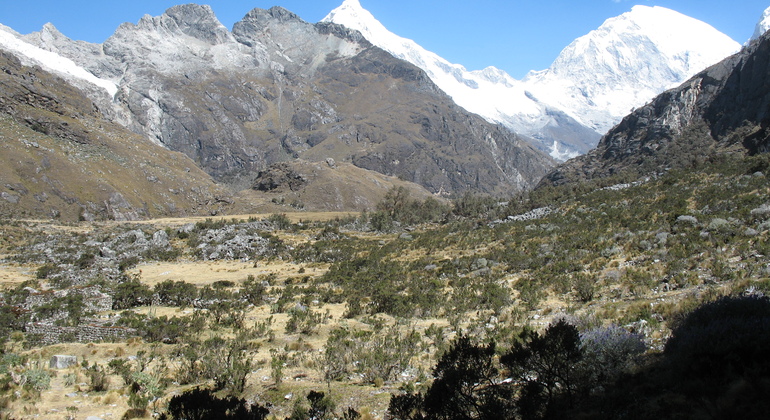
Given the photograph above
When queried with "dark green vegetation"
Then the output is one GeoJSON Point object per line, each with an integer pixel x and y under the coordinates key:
{"type": "Point", "coordinates": [714, 366]}
{"type": "Point", "coordinates": [558, 304]}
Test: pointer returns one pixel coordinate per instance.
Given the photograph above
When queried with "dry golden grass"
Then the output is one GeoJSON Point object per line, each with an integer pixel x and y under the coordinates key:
{"type": "Point", "coordinates": [12, 275]}
{"type": "Point", "coordinates": [201, 273]}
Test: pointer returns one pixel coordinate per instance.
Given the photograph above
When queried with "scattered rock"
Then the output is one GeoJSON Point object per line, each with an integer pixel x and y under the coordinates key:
{"type": "Point", "coordinates": [479, 263]}
{"type": "Point", "coordinates": [762, 212]}
{"type": "Point", "coordinates": [691, 220]}
{"type": "Point", "coordinates": [160, 239]}
{"type": "Point", "coordinates": [11, 198]}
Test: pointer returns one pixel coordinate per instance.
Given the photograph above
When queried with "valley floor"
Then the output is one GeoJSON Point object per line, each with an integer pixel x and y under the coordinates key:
{"type": "Point", "coordinates": [271, 307]}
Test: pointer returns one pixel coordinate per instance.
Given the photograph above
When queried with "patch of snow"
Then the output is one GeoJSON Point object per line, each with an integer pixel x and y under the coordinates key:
{"type": "Point", "coordinates": [562, 155]}
{"type": "Point", "coordinates": [51, 62]}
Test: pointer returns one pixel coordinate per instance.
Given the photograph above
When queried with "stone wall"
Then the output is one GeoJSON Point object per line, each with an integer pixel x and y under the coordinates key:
{"type": "Point", "coordinates": [93, 298]}
{"type": "Point", "coordinates": [52, 334]}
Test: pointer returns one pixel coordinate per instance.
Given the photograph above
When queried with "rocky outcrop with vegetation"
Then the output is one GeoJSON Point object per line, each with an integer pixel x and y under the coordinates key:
{"type": "Point", "coordinates": [61, 159]}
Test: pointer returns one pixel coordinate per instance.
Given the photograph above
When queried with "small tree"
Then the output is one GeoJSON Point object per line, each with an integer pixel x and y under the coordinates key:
{"type": "Point", "coordinates": [465, 386]}
{"type": "Point", "coordinates": [547, 365]}
{"type": "Point", "coordinates": [277, 362]}
{"type": "Point", "coordinates": [394, 203]}
{"type": "Point", "coordinates": [202, 404]}
{"type": "Point", "coordinates": [131, 293]}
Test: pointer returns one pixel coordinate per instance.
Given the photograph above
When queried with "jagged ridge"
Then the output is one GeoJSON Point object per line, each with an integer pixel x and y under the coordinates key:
{"type": "Point", "coordinates": [277, 88]}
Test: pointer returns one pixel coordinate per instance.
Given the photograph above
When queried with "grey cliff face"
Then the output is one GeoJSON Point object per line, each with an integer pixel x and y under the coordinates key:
{"type": "Point", "coordinates": [198, 22]}
{"type": "Point", "coordinates": [277, 89]}
{"type": "Point", "coordinates": [725, 106]}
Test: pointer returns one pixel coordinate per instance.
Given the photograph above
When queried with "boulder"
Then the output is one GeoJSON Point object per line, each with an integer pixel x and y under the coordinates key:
{"type": "Point", "coordinates": [62, 361]}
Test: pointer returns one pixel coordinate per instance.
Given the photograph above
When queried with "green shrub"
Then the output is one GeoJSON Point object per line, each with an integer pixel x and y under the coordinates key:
{"type": "Point", "coordinates": [608, 352]}
{"type": "Point", "coordinates": [130, 293]}
{"type": "Point", "coordinates": [303, 320]}
{"type": "Point", "coordinates": [46, 270]}
{"type": "Point", "coordinates": [280, 221]}
{"type": "Point", "coordinates": [175, 293]}
{"type": "Point", "coordinates": [37, 379]}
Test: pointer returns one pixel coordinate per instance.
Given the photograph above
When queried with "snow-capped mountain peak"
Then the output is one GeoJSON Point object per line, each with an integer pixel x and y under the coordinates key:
{"type": "Point", "coordinates": [594, 82]}
{"type": "Point", "coordinates": [491, 92]}
{"type": "Point", "coordinates": [627, 61]}
{"type": "Point", "coordinates": [352, 15]}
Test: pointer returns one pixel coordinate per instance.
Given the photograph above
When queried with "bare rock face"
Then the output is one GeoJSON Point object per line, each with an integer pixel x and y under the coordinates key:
{"type": "Point", "coordinates": [277, 89]}
{"type": "Point", "coordinates": [725, 106]}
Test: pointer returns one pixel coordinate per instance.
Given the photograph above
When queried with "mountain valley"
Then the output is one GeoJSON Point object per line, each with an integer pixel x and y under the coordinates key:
{"type": "Point", "coordinates": [293, 220]}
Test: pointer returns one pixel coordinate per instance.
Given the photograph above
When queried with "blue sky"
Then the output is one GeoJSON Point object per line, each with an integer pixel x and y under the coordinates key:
{"type": "Point", "coordinates": [514, 35]}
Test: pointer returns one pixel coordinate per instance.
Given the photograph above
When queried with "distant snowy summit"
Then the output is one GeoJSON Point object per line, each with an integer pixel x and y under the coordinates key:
{"type": "Point", "coordinates": [594, 82]}
{"type": "Point", "coordinates": [762, 26]}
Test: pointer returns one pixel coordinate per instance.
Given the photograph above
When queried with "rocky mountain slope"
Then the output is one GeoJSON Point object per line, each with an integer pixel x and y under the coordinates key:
{"type": "Point", "coordinates": [278, 89]}
{"type": "Point", "coordinates": [724, 108]}
{"type": "Point", "coordinates": [593, 83]}
{"type": "Point", "coordinates": [61, 159]}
